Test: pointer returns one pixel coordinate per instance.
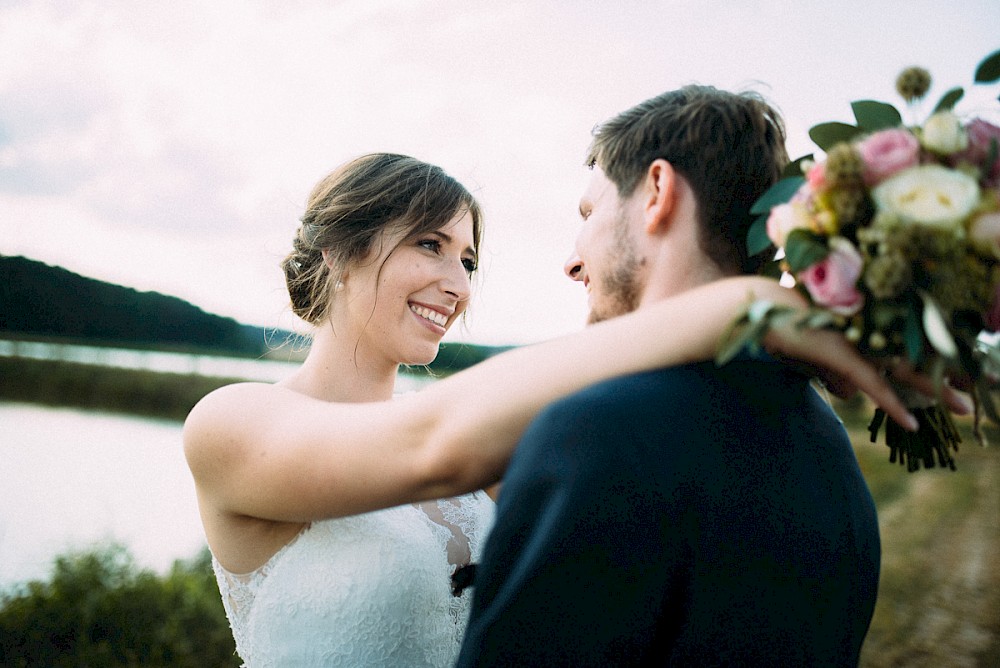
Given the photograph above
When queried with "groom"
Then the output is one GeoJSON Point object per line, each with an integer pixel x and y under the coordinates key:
{"type": "Point", "coordinates": [694, 515]}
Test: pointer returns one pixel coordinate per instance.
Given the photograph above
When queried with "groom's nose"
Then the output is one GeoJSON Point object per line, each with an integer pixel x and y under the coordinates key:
{"type": "Point", "coordinates": [574, 267]}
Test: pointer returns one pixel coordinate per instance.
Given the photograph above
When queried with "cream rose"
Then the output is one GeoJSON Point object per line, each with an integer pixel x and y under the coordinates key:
{"type": "Point", "coordinates": [985, 230]}
{"type": "Point", "coordinates": [943, 133]}
{"type": "Point", "coordinates": [928, 195]}
{"type": "Point", "coordinates": [784, 218]}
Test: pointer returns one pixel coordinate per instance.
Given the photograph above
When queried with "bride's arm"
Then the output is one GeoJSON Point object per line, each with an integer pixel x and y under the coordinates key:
{"type": "Point", "coordinates": [501, 395]}
{"type": "Point", "coordinates": [265, 451]}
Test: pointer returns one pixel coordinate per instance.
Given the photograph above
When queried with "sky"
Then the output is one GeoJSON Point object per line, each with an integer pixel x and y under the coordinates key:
{"type": "Point", "coordinates": [170, 146]}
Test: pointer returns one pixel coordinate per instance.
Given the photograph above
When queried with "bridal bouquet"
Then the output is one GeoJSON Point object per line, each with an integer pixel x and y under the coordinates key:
{"type": "Point", "coordinates": [894, 238]}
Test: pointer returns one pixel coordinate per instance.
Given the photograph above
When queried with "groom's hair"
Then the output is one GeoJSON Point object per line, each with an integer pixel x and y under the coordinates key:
{"type": "Point", "coordinates": [729, 147]}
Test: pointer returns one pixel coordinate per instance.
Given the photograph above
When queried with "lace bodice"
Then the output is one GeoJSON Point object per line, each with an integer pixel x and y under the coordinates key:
{"type": "Point", "coordinates": [365, 590]}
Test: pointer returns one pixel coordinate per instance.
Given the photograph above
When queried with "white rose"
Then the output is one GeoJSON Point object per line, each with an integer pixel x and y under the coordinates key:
{"type": "Point", "coordinates": [985, 230]}
{"type": "Point", "coordinates": [943, 134]}
{"type": "Point", "coordinates": [784, 218]}
{"type": "Point", "coordinates": [928, 195]}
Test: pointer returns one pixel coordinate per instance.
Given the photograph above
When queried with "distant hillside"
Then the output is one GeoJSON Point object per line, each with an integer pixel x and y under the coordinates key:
{"type": "Point", "coordinates": [39, 300]}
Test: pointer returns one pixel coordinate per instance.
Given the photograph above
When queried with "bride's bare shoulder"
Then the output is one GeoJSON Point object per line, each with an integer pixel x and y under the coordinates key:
{"type": "Point", "coordinates": [230, 400]}
{"type": "Point", "coordinates": [225, 415]}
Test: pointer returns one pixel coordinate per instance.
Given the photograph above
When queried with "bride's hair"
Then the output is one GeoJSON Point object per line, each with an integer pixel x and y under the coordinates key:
{"type": "Point", "coordinates": [350, 211]}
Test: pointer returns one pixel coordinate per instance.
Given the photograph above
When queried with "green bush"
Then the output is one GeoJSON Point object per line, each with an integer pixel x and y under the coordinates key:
{"type": "Point", "coordinates": [100, 609]}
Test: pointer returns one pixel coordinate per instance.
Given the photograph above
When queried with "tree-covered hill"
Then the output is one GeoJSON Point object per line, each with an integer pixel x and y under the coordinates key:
{"type": "Point", "coordinates": [39, 300]}
{"type": "Point", "coordinates": [42, 301]}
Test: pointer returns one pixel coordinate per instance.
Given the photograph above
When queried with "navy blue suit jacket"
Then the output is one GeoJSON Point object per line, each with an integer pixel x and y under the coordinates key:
{"type": "Point", "coordinates": [692, 516]}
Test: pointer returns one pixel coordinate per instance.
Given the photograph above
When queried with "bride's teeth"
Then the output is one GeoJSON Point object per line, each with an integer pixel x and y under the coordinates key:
{"type": "Point", "coordinates": [437, 318]}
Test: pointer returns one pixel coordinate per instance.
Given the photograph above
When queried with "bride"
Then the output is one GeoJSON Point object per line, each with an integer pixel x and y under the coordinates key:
{"type": "Point", "coordinates": [317, 493]}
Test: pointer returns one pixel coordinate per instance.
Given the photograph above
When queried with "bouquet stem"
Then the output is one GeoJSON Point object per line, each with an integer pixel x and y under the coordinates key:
{"type": "Point", "coordinates": [932, 444]}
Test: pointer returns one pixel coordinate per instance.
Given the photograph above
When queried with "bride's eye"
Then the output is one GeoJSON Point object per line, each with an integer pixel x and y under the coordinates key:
{"type": "Point", "coordinates": [469, 264]}
{"type": "Point", "coordinates": [432, 245]}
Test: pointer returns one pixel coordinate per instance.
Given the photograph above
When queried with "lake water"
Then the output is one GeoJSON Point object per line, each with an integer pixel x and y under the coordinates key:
{"type": "Point", "coordinates": [71, 479]}
{"type": "Point", "coordinates": [152, 360]}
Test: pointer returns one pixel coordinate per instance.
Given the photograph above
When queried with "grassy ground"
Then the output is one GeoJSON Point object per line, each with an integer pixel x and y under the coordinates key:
{"type": "Point", "coordinates": [939, 595]}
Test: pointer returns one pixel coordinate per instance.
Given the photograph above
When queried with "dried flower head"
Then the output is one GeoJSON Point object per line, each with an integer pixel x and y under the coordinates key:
{"type": "Point", "coordinates": [888, 275]}
{"type": "Point", "coordinates": [847, 204]}
{"type": "Point", "coordinates": [913, 83]}
{"type": "Point", "coordinates": [844, 167]}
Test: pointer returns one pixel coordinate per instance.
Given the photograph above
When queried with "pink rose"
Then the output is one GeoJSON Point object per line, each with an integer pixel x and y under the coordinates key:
{"type": "Point", "coordinates": [886, 153]}
{"type": "Point", "coordinates": [816, 175]}
{"type": "Point", "coordinates": [832, 282]}
{"type": "Point", "coordinates": [981, 134]}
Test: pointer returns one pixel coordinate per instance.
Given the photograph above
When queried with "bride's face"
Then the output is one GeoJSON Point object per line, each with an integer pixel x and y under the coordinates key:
{"type": "Point", "coordinates": [406, 296]}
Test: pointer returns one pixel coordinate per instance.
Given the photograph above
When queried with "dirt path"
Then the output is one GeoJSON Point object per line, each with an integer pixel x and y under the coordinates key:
{"type": "Point", "coordinates": [939, 601]}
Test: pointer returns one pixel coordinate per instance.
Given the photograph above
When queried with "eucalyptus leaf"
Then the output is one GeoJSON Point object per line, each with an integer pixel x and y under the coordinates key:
{"type": "Point", "coordinates": [757, 239]}
{"type": "Point", "coordinates": [804, 249]}
{"type": "Point", "coordinates": [759, 310]}
{"type": "Point", "coordinates": [949, 100]}
{"type": "Point", "coordinates": [913, 337]}
{"type": "Point", "coordinates": [988, 348]}
{"type": "Point", "coordinates": [779, 193]}
{"type": "Point", "coordinates": [936, 328]}
{"type": "Point", "coordinates": [989, 70]}
{"type": "Point", "coordinates": [827, 135]}
{"type": "Point", "coordinates": [748, 335]}
{"type": "Point", "coordinates": [733, 341]}
{"type": "Point", "coordinates": [872, 115]}
{"type": "Point", "coordinates": [794, 168]}
{"type": "Point", "coordinates": [817, 319]}
{"type": "Point", "coordinates": [985, 397]}
{"type": "Point", "coordinates": [936, 373]}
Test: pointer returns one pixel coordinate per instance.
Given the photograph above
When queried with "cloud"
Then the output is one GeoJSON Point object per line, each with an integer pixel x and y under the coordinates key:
{"type": "Point", "coordinates": [193, 131]}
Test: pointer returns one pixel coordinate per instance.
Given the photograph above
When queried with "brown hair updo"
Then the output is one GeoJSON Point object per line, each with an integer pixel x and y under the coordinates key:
{"type": "Point", "coordinates": [350, 210]}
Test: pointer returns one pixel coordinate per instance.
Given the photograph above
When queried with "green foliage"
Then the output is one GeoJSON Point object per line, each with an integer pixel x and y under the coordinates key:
{"type": "Point", "coordinates": [136, 392]}
{"type": "Point", "coordinates": [804, 249]}
{"type": "Point", "coordinates": [780, 192]}
{"type": "Point", "coordinates": [100, 609]}
{"type": "Point", "coordinates": [43, 301]}
{"type": "Point", "coordinates": [757, 239]}
{"type": "Point", "coordinates": [794, 168]}
{"type": "Point", "coordinates": [949, 100]}
{"type": "Point", "coordinates": [873, 116]}
{"type": "Point", "coordinates": [988, 71]}
{"type": "Point", "coordinates": [828, 135]}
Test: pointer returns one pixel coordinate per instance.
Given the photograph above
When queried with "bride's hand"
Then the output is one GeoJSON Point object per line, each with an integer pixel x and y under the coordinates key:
{"type": "Point", "coordinates": [829, 356]}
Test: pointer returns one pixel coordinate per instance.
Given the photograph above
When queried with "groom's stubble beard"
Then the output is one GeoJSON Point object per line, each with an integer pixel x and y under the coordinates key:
{"type": "Point", "coordinates": [620, 281]}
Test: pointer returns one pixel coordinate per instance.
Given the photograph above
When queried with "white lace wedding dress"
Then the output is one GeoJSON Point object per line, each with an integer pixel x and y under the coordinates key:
{"type": "Point", "coordinates": [366, 590]}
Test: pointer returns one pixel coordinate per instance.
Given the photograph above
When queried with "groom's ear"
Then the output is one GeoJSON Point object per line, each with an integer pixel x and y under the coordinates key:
{"type": "Point", "coordinates": [659, 187]}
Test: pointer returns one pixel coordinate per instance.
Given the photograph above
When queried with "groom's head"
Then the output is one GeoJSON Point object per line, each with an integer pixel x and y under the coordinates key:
{"type": "Point", "coordinates": [668, 205]}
